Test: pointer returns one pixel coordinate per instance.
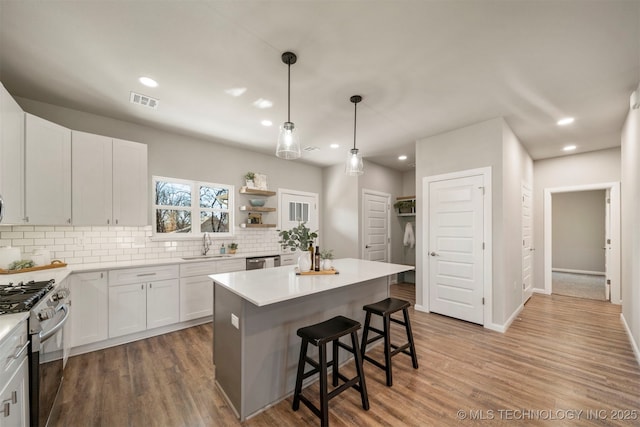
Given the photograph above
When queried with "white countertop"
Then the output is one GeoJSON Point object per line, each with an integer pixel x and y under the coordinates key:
{"type": "Point", "coordinates": [9, 321]}
{"type": "Point", "coordinates": [273, 285]}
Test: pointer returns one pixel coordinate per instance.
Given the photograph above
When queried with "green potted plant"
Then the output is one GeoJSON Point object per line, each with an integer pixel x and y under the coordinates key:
{"type": "Point", "coordinates": [405, 206]}
{"type": "Point", "coordinates": [249, 179]}
{"type": "Point", "coordinates": [299, 238]}
{"type": "Point", "coordinates": [326, 255]}
{"type": "Point", "coordinates": [233, 247]}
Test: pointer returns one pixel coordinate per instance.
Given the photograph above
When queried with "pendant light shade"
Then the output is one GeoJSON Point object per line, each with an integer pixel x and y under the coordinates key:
{"type": "Point", "coordinates": [354, 166]}
{"type": "Point", "coordinates": [288, 141]}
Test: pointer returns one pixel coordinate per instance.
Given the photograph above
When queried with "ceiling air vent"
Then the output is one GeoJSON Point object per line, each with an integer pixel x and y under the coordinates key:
{"type": "Point", "coordinates": [309, 149]}
{"type": "Point", "coordinates": [144, 100]}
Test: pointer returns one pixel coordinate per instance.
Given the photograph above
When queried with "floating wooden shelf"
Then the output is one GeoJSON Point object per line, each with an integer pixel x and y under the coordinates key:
{"type": "Point", "coordinates": [256, 209]}
{"type": "Point", "coordinates": [243, 225]}
{"type": "Point", "coordinates": [255, 191]}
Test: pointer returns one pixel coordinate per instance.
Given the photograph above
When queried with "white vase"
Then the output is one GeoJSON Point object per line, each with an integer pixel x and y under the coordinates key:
{"type": "Point", "coordinates": [326, 264]}
{"type": "Point", "coordinates": [304, 261]}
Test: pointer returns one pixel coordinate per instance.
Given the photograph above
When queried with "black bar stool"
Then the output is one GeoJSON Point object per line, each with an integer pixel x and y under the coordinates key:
{"type": "Point", "coordinates": [386, 308]}
{"type": "Point", "coordinates": [319, 335]}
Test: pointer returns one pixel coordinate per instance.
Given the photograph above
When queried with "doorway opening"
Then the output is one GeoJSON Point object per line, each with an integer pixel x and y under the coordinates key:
{"type": "Point", "coordinates": [582, 241]}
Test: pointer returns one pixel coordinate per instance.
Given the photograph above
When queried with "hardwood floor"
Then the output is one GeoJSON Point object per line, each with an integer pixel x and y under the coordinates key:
{"type": "Point", "coordinates": [562, 354]}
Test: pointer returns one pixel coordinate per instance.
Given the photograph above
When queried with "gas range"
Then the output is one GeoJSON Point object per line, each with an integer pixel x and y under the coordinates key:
{"type": "Point", "coordinates": [22, 296]}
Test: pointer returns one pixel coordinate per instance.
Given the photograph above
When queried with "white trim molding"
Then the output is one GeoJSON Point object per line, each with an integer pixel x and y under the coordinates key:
{"type": "Point", "coordinates": [614, 269]}
{"type": "Point", "coordinates": [488, 240]}
{"type": "Point", "coordinates": [632, 341]}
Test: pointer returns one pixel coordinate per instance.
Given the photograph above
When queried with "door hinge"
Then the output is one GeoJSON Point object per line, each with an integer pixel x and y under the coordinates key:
{"type": "Point", "coordinates": [481, 188]}
{"type": "Point", "coordinates": [482, 300]}
{"type": "Point", "coordinates": [608, 241]}
{"type": "Point", "coordinates": [523, 242]}
{"type": "Point", "coordinates": [483, 246]}
{"type": "Point", "coordinates": [608, 200]}
{"type": "Point", "coordinates": [608, 281]}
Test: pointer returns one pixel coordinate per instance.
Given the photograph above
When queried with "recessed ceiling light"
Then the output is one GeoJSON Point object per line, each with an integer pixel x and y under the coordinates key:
{"type": "Point", "coordinates": [403, 157]}
{"type": "Point", "coordinates": [148, 81]}
{"type": "Point", "coordinates": [335, 146]}
{"type": "Point", "coordinates": [569, 148]}
{"type": "Point", "coordinates": [266, 123]}
{"type": "Point", "coordinates": [262, 103]}
{"type": "Point", "coordinates": [565, 121]}
{"type": "Point", "coordinates": [235, 91]}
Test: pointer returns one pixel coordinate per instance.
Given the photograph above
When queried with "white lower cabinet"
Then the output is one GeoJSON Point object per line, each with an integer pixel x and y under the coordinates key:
{"type": "Point", "coordinates": [196, 287]}
{"type": "Point", "coordinates": [90, 314]}
{"type": "Point", "coordinates": [13, 397]}
{"type": "Point", "coordinates": [14, 378]}
{"type": "Point", "coordinates": [151, 301]}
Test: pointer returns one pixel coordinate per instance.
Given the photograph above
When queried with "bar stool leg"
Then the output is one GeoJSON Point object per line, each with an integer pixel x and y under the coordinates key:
{"type": "Point", "coordinates": [324, 397]}
{"type": "Point", "coordinates": [365, 333]}
{"type": "Point", "coordinates": [360, 371]}
{"type": "Point", "coordinates": [301, 365]}
{"type": "Point", "coordinates": [412, 348]}
{"type": "Point", "coordinates": [387, 349]}
{"type": "Point", "coordinates": [335, 362]}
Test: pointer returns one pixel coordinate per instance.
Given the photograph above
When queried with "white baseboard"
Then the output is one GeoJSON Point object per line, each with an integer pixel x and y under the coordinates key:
{"type": "Point", "coordinates": [541, 291]}
{"type": "Point", "coordinates": [632, 341]}
{"type": "Point", "coordinates": [112, 342]}
{"type": "Point", "coordinates": [503, 328]}
{"type": "Point", "coordinates": [421, 308]}
{"type": "Point", "coordinates": [568, 270]}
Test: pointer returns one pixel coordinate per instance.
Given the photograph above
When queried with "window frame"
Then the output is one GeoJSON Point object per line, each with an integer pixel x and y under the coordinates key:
{"type": "Point", "coordinates": [194, 209]}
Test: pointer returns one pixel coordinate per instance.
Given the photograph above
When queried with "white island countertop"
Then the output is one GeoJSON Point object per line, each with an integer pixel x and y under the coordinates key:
{"type": "Point", "coordinates": [272, 285]}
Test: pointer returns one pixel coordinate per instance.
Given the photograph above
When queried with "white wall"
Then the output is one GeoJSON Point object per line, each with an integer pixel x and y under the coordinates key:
{"type": "Point", "coordinates": [631, 227]}
{"type": "Point", "coordinates": [490, 143]}
{"type": "Point", "coordinates": [580, 169]}
{"type": "Point", "coordinates": [340, 212]}
{"type": "Point", "coordinates": [578, 224]}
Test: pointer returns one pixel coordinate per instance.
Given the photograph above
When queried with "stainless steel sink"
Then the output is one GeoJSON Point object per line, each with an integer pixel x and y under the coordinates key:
{"type": "Point", "coordinates": [205, 257]}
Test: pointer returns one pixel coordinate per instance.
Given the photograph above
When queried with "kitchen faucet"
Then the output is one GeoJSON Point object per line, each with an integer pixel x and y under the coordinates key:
{"type": "Point", "coordinates": [206, 243]}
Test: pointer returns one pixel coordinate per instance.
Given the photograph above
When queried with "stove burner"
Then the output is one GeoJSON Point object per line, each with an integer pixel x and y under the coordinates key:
{"type": "Point", "coordinates": [21, 296]}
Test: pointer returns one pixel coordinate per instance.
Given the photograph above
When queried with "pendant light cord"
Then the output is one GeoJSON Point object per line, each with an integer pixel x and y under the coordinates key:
{"type": "Point", "coordinates": [288, 91]}
{"type": "Point", "coordinates": [355, 115]}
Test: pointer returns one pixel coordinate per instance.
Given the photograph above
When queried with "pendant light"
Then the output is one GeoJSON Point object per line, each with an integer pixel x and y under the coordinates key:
{"type": "Point", "coordinates": [354, 165]}
{"type": "Point", "coordinates": [288, 141]}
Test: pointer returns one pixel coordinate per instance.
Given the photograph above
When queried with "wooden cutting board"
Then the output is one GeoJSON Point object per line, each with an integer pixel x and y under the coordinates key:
{"type": "Point", "coordinates": [54, 264]}
{"type": "Point", "coordinates": [317, 273]}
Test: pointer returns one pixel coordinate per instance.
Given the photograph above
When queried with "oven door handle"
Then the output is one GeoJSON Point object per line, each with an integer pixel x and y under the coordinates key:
{"type": "Point", "coordinates": [51, 332]}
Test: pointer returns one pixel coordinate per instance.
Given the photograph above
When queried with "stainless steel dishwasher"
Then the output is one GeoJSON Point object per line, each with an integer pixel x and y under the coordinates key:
{"type": "Point", "coordinates": [255, 263]}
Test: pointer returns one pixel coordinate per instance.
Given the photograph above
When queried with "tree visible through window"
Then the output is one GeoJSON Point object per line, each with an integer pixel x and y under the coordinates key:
{"type": "Point", "coordinates": [179, 202]}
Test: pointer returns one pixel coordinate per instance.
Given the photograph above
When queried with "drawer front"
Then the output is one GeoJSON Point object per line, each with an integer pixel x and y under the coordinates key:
{"type": "Point", "coordinates": [145, 274]}
{"type": "Point", "coordinates": [229, 265]}
{"type": "Point", "coordinates": [12, 351]}
{"type": "Point", "coordinates": [198, 269]}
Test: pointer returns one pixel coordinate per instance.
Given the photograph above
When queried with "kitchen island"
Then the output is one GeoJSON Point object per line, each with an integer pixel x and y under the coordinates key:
{"type": "Point", "coordinates": [257, 314]}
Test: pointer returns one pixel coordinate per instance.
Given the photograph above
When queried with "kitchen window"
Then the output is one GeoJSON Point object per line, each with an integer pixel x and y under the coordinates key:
{"type": "Point", "coordinates": [184, 208]}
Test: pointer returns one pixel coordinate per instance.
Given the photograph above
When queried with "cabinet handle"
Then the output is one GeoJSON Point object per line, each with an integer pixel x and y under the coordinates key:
{"type": "Point", "coordinates": [7, 403]}
{"type": "Point", "coordinates": [116, 222]}
{"type": "Point", "coordinates": [20, 351]}
{"type": "Point", "coordinates": [150, 285]}
{"type": "Point", "coordinates": [102, 275]}
{"type": "Point", "coordinates": [68, 220]}
{"type": "Point", "coordinates": [108, 221]}
{"type": "Point", "coordinates": [142, 287]}
{"type": "Point", "coordinates": [146, 274]}
{"type": "Point", "coordinates": [26, 219]}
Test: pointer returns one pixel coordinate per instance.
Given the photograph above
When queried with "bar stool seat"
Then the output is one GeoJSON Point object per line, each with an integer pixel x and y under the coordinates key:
{"type": "Point", "coordinates": [319, 335]}
{"type": "Point", "coordinates": [385, 309]}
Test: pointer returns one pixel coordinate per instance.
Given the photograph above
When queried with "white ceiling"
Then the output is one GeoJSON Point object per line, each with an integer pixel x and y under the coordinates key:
{"type": "Point", "coordinates": [422, 67]}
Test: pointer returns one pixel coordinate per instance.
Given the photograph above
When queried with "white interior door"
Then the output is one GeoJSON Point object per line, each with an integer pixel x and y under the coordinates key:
{"type": "Point", "coordinates": [527, 244]}
{"type": "Point", "coordinates": [376, 226]}
{"type": "Point", "coordinates": [455, 251]}
{"type": "Point", "coordinates": [295, 207]}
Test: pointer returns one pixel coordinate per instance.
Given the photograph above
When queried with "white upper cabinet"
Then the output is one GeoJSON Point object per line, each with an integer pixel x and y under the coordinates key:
{"type": "Point", "coordinates": [130, 183]}
{"type": "Point", "coordinates": [11, 158]}
{"type": "Point", "coordinates": [48, 172]}
{"type": "Point", "coordinates": [91, 179]}
{"type": "Point", "coordinates": [109, 181]}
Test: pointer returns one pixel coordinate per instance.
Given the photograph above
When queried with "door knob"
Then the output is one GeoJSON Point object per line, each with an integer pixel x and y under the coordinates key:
{"type": "Point", "coordinates": [433, 254]}
{"type": "Point", "coordinates": [366, 246]}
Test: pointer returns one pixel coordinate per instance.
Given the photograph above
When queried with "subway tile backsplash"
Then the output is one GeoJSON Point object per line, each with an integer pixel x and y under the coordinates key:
{"type": "Point", "coordinates": [82, 245]}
